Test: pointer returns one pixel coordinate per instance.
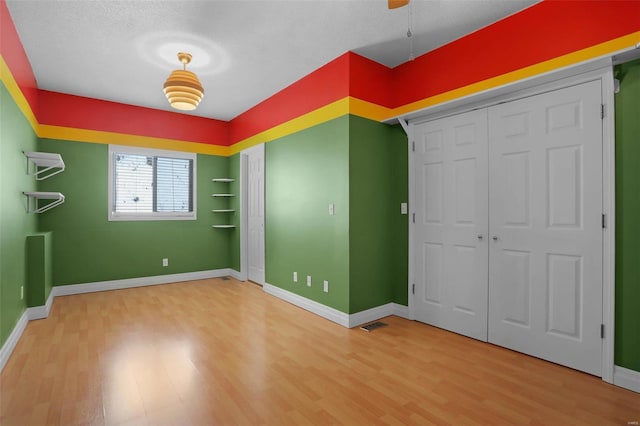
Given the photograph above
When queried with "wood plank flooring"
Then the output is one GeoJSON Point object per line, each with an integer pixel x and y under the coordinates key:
{"type": "Point", "coordinates": [224, 352]}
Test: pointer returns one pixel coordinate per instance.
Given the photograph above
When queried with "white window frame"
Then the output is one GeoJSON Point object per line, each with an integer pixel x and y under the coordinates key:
{"type": "Point", "coordinates": [120, 216]}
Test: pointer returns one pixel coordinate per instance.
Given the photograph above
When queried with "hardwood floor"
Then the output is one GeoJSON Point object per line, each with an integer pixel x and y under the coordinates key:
{"type": "Point", "coordinates": [223, 352]}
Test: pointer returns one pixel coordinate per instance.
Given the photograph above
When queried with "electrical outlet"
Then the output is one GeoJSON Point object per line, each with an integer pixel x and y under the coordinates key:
{"type": "Point", "coordinates": [295, 277]}
{"type": "Point", "coordinates": [308, 280]}
{"type": "Point", "coordinates": [326, 286]}
{"type": "Point", "coordinates": [403, 208]}
{"type": "Point", "coordinates": [21, 292]}
{"type": "Point", "coordinates": [165, 262]}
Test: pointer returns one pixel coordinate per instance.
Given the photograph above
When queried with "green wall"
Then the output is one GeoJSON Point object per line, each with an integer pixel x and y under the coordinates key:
{"type": "Point", "coordinates": [16, 135]}
{"type": "Point", "coordinates": [88, 248]}
{"type": "Point", "coordinates": [627, 309]}
{"type": "Point", "coordinates": [304, 173]}
{"type": "Point", "coordinates": [377, 230]}
{"type": "Point", "coordinates": [360, 166]}
{"type": "Point", "coordinates": [39, 268]}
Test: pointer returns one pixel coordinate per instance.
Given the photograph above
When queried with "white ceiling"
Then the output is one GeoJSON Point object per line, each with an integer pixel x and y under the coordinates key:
{"type": "Point", "coordinates": [243, 51]}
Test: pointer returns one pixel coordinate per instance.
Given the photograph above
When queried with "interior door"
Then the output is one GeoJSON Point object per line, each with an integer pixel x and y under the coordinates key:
{"type": "Point", "coordinates": [545, 285]}
{"type": "Point", "coordinates": [450, 250]}
{"type": "Point", "coordinates": [255, 214]}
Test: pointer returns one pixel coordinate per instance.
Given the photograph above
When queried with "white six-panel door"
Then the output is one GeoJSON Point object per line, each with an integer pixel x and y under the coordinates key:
{"type": "Point", "coordinates": [508, 237]}
{"type": "Point", "coordinates": [545, 285]}
{"type": "Point", "coordinates": [451, 223]}
{"type": "Point", "coordinates": [255, 217]}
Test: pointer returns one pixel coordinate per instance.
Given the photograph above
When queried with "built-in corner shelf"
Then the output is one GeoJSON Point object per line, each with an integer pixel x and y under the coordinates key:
{"type": "Point", "coordinates": [34, 198]}
{"type": "Point", "coordinates": [43, 165]}
{"type": "Point", "coordinates": [223, 209]}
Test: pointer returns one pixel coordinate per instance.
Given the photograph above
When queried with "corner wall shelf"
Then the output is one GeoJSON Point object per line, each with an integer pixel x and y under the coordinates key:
{"type": "Point", "coordinates": [33, 198]}
{"type": "Point", "coordinates": [45, 164]}
{"type": "Point", "coordinates": [223, 209]}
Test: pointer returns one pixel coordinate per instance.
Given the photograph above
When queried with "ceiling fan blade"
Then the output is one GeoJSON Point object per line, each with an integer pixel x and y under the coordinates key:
{"type": "Point", "coordinates": [394, 4]}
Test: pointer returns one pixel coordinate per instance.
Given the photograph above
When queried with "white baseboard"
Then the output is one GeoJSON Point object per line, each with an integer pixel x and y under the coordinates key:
{"type": "Point", "coordinates": [626, 378]}
{"type": "Point", "coordinates": [12, 340]}
{"type": "Point", "coordinates": [66, 290]}
{"type": "Point", "coordinates": [369, 315]}
{"type": "Point", "coordinates": [401, 311]}
{"type": "Point", "coordinates": [317, 308]}
{"type": "Point", "coordinates": [378, 312]}
{"type": "Point", "coordinates": [345, 320]}
{"type": "Point", "coordinates": [40, 312]}
{"type": "Point", "coordinates": [238, 275]}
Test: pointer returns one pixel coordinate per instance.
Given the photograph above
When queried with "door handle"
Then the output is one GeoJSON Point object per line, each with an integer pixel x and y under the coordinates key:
{"type": "Point", "coordinates": [495, 238]}
{"type": "Point", "coordinates": [480, 237]}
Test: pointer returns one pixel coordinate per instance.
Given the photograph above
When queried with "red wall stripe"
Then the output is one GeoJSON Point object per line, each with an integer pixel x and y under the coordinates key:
{"type": "Point", "coordinates": [370, 81]}
{"type": "Point", "coordinates": [15, 57]}
{"type": "Point", "coordinates": [544, 31]}
{"type": "Point", "coordinates": [323, 86]}
{"type": "Point", "coordinates": [59, 109]}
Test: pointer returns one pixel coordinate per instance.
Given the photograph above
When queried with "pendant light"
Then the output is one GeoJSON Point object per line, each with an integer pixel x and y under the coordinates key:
{"type": "Point", "coordinates": [182, 88]}
{"type": "Point", "coordinates": [394, 4]}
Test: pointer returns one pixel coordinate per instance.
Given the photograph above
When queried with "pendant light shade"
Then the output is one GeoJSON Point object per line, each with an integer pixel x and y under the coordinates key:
{"type": "Point", "coordinates": [182, 88]}
{"type": "Point", "coordinates": [394, 4]}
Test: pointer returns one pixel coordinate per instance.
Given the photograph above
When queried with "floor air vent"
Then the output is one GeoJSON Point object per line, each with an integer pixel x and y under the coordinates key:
{"type": "Point", "coordinates": [225, 278]}
{"type": "Point", "coordinates": [373, 326]}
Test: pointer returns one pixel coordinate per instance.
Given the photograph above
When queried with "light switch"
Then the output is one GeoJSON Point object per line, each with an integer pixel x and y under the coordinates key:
{"type": "Point", "coordinates": [332, 209]}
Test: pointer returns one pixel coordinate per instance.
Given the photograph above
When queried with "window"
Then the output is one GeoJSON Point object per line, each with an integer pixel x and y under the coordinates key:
{"type": "Point", "coordinates": [149, 184]}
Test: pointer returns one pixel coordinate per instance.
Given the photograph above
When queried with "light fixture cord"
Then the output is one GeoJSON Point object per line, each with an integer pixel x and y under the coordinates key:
{"type": "Point", "coordinates": [409, 33]}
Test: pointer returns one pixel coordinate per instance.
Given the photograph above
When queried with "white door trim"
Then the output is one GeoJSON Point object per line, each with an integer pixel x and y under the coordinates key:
{"type": "Point", "coordinates": [609, 236]}
{"type": "Point", "coordinates": [244, 172]}
{"type": "Point", "coordinates": [602, 70]}
{"type": "Point", "coordinates": [244, 205]}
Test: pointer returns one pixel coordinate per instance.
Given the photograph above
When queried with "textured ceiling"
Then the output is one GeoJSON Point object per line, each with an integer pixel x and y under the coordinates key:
{"type": "Point", "coordinates": [243, 51]}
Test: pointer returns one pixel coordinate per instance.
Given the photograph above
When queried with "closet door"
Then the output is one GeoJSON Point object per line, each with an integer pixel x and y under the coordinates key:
{"type": "Point", "coordinates": [450, 248]}
{"type": "Point", "coordinates": [545, 285]}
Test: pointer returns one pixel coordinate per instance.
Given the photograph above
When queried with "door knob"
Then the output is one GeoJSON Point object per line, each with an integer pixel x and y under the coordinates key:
{"type": "Point", "coordinates": [480, 236]}
{"type": "Point", "coordinates": [495, 238]}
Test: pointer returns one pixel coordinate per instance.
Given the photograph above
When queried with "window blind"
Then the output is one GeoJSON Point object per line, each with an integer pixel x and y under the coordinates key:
{"type": "Point", "coordinates": [148, 184]}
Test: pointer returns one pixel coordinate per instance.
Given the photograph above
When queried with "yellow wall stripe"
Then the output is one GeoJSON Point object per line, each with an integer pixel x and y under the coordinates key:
{"type": "Point", "coordinates": [376, 112]}
{"type": "Point", "coordinates": [14, 90]}
{"type": "Point", "coordinates": [369, 110]}
{"type": "Point", "coordinates": [97, 136]}
{"type": "Point", "coordinates": [321, 115]}
{"type": "Point", "coordinates": [600, 50]}
{"type": "Point", "coordinates": [346, 105]}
